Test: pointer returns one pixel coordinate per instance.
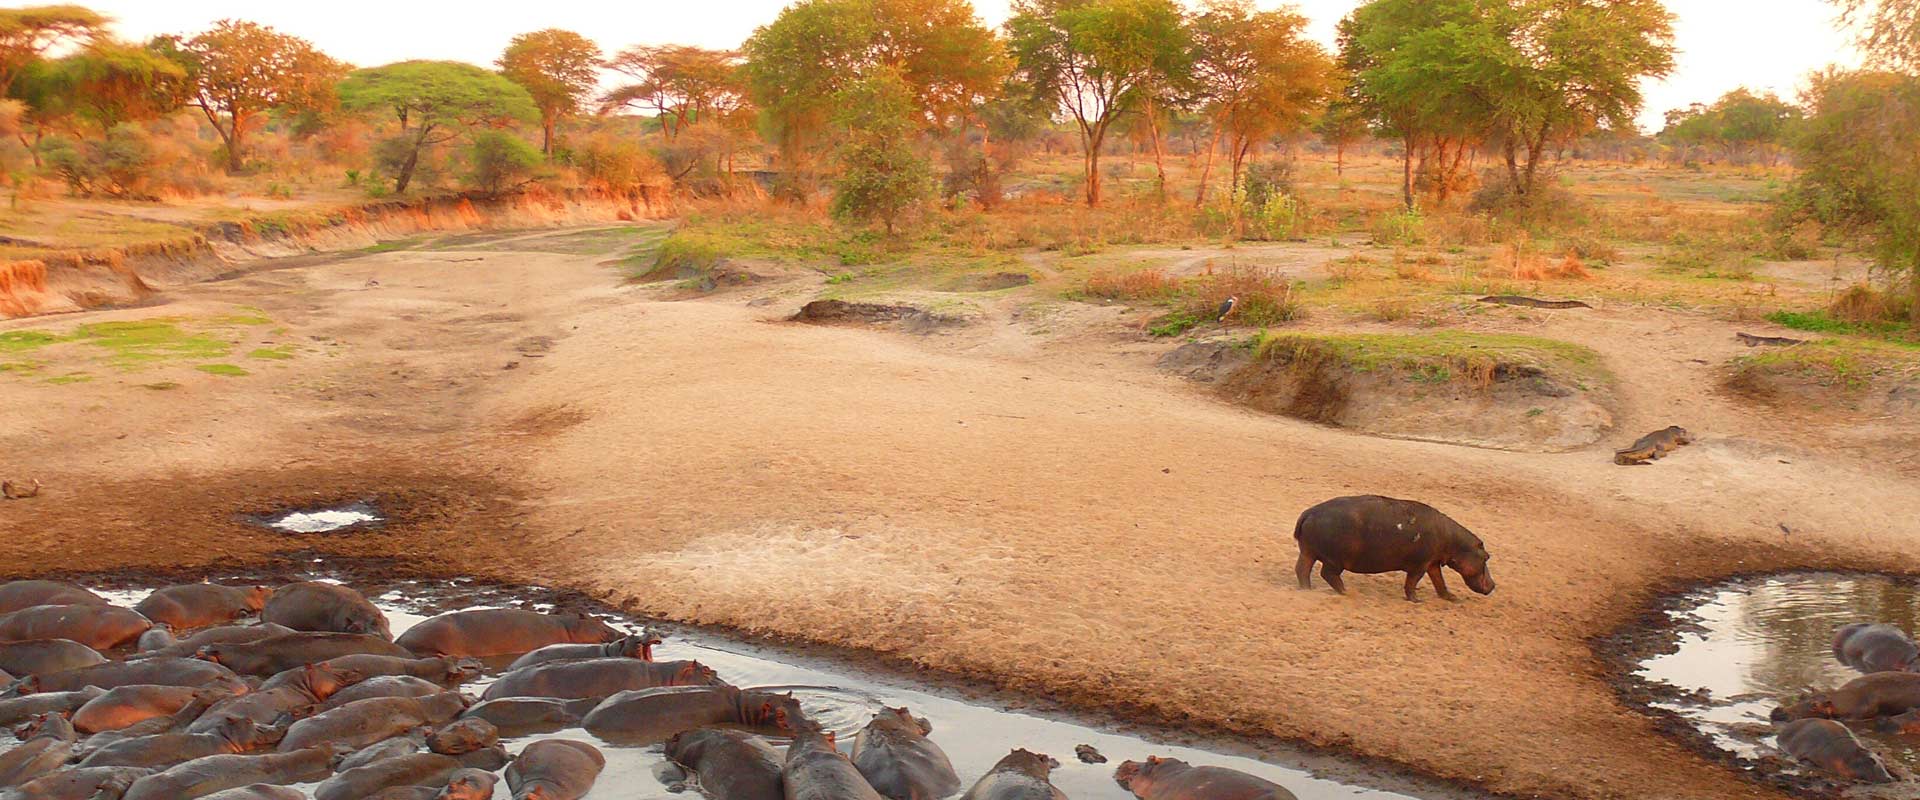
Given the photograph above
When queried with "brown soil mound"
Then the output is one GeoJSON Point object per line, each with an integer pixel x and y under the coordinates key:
{"type": "Point", "coordinates": [840, 312]}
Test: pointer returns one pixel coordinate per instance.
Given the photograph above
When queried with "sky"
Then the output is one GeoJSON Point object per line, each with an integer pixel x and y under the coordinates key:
{"type": "Point", "coordinates": [1766, 45]}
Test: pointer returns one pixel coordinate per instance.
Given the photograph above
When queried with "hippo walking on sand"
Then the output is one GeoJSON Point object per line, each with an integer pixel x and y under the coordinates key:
{"type": "Point", "coordinates": [732, 765]}
{"type": "Point", "coordinates": [1832, 747]}
{"type": "Point", "coordinates": [1874, 647]}
{"type": "Point", "coordinates": [1021, 775]}
{"type": "Point", "coordinates": [502, 631]}
{"type": "Point", "coordinates": [1173, 779]}
{"type": "Point", "coordinates": [554, 769]}
{"type": "Point", "coordinates": [898, 759]}
{"type": "Point", "coordinates": [1370, 534]}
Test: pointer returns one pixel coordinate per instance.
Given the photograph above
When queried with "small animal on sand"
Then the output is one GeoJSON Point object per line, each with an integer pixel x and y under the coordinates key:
{"type": "Point", "coordinates": [1653, 445]}
{"type": "Point", "coordinates": [19, 490]}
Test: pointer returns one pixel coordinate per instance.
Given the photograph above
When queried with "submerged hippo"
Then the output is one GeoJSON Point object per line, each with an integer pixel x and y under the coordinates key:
{"type": "Point", "coordinates": [554, 769]}
{"type": "Point", "coordinates": [502, 631]}
{"type": "Point", "coordinates": [198, 605]}
{"type": "Point", "coordinates": [599, 677]}
{"type": "Point", "coordinates": [637, 645]}
{"type": "Point", "coordinates": [294, 692]}
{"type": "Point", "coordinates": [15, 709]}
{"type": "Point", "coordinates": [16, 595]}
{"type": "Point", "coordinates": [363, 722]}
{"type": "Point", "coordinates": [444, 670]}
{"type": "Point", "coordinates": [46, 744]}
{"type": "Point", "coordinates": [276, 654]}
{"type": "Point", "coordinates": [898, 759]}
{"type": "Point", "coordinates": [1021, 775]}
{"type": "Point", "coordinates": [1832, 747]}
{"type": "Point", "coordinates": [204, 776]}
{"type": "Point", "coordinates": [1874, 647]}
{"type": "Point", "coordinates": [655, 715]}
{"type": "Point", "coordinates": [150, 671]}
{"type": "Point", "coordinates": [97, 626]}
{"type": "Point", "coordinates": [1173, 779]}
{"type": "Point", "coordinates": [41, 656]}
{"type": "Point", "coordinates": [383, 686]}
{"type": "Point", "coordinates": [814, 770]}
{"type": "Point", "coordinates": [324, 608]}
{"type": "Point", "coordinates": [1881, 694]}
{"type": "Point", "coordinates": [224, 634]}
{"type": "Point", "coordinates": [518, 716]}
{"type": "Point", "coordinates": [124, 706]}
{"type": "Point", "coordinates": [416, 769]}
{"type": "Point", "coordinates": [1370, 534]}
{"type": "Point", "coordinates": [88, 783]}
{"type": "Point", "coordinates": [732, 765]}
{"type": "Point", "coordinates": [231, 736]}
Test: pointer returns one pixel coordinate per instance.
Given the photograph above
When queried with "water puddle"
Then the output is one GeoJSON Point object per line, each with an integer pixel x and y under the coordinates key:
{"type": "Point", "coordinates": [974, 733]}
{"type": "Point", "coordinates": [1739, 649]}
{"type": "Point", "coordinates": [324, 520]}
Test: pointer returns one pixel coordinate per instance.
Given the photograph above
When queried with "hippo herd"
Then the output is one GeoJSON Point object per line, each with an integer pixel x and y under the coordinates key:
{"type": "Point", "coordinates": [1886, 696]}
{"type": "Point", "coordinates": [245, 693]}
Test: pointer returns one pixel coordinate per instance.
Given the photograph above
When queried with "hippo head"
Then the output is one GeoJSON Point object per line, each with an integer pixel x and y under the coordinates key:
{"type": "Point", "coordinates": [245, 734]}
{"type": "Point", "coordinates": [1865, 766]}
{"type": "Point", "coordinates": [255, 599]}
{"type": "Point", "coordinates": [367, 621]}
{"type": "Point", "coordinates": [458, 670]}
{"type": "Point", "coordinates": [776, 712]}
{"type": "Point", "coordinates": [22, 686]}
{"type": "Point", "coordinates": [469, 784]}
{"type": "Point", "coordinates": [906, 719]}
{"type": "Point", "coordinates": [323, 679]}
{"type": "Point", "coordinates": [585, 629]}
{"type": "Point", "coordinates": [697, 674]}
{"type": "Point", "coordinates": [1039, 765]}
{"type": "Point", "coordinates": [43, 726]}
{"type": "Point", "coordinates": [1815, 705]}
{"type": "Point", "coordinates": [636, 645]}
{"type": "Point", "coordinates": [1471, 562]}
{"type": "Point", "coordinates": [1908, 723]}
{"type": "Point", "coordinates": [463, 736]}
{"type": "Point", "coordinates": [1138, 776]}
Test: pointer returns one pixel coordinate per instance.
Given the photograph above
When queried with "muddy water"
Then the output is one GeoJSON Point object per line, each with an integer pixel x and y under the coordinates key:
{"type": "Point", "coordinates": [974, 735]}
{"type": "Point", "coordinates": [1748, 646]}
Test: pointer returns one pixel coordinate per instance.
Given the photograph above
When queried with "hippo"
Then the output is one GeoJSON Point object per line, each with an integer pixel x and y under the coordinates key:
{"type": "Point", "coordinates": [636, 645]}
{"type": "Point", "coordinates": [324, 608]}
{"type": "Point", "coordinates": [41, 656]}
{"type": "Point", "coordinates": [177, 722]}
{"type": "Point", "coordinates": [732, 765]}
{"type": "Point", "coordinates": [469, 784]}
{"type": "Point", "coordinates": [151, 671]}
{"type": "Point", "coordinates": [381, 751]}
{"type": "Point", "coordinates": [89, 783]}
{"type": "Point", "coordinates": [416, 769]}
{"type": "Point", "coordinates": [224, 634]}
{"type": "Point", "coordinates": [15, 709]}
{"type": "Point", "coordinates": [1907, 723]}
{"type": "Point", "coordinates": [96, 626]}
{"type": "Point", "coordinates": [1370, 534]}
{"type": "Point", "coordinates": [16, 595]}
{"type": "Point", "coordinates": [898, 759]}
{"type": "Point", "coordinates": [294, 692]}
{"type": "Point", "coordinates": [46, 744]}
{"type": "Point", "coordinates": [463, 736]}
{"type": "Point", "coordinates": [646, 716]}
{"type": "Point", "coordinates": [599, 677]}
{"type": "Point", "coordinates": [1880, 694]}
{"type": "Point", "coordinates": [518, 716]}
{"type": "Point", "coordinates": [1874, 647]}
{"type": "Point", "coordinates": [383, 686]}
{"type": "Point", "coordinates": [276, 654]}
{"type": "Point", "coordinates": [1832, 747]}
{"type": "Point", "coordinates": [123, 706]}
{"type": "Point", "coordinates": [204, 776]}
{"type": "Point", "coordinates": [444, 670]}
{"type": "Point", "coordinates": [199, 605]}
{"type": "Point", "coordinates": [258, 791]}
{"type": "Point", "coordinates": [363, 722]}
{"type": "Point", "coordinates": [1021, 775]}
{"type": "Point", "coordinates": [814, 770]}
{"type": "Point", "coordinates": [502, 631]}
{"type": "Point", "coordinates": [554, 769]}
{"type": "Point", "coordinates": [158, 637]}
{"type": "Point", "coordinates": [1173, 779]}
{"type": "Point", "coordinates": [234, 735]}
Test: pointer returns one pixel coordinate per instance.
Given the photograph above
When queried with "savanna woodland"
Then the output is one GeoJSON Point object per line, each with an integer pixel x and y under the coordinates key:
{"type": "Point", "coordinates": [1015, 353]}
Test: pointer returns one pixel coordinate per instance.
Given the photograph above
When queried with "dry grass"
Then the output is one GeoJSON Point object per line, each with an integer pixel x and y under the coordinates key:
{"type": "Point", "coordinates": [1520, 260]}
{"type": "Point", "coordinates": [1146, 284]}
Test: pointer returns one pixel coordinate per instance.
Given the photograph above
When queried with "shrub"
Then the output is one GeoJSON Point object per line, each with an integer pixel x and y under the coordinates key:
{"type": "Point", "coordinates": [615, 165]}
{"type": "Point", "coordinates": [500, 161]}
{"type": "Point", "coordinates": [390, 159]}
{"type": "Point", "coordinates": [119, 165]}
{"type": "Point", "coordinates": [1146, 284]}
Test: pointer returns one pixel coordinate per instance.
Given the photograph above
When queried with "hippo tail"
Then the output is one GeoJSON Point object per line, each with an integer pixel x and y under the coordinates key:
{"type": "Point", "coordinates": [1297, 525]}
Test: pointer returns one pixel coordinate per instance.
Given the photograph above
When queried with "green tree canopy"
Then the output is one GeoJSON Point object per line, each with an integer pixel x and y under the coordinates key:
{"type": "Point", "coordinates": [1889, 30]}
{"type": "Point", "coordinates": [682, 85]}
{"type": "Point", "coordinates": [27, 33]}
{"type": "Point", "coordinates": [1740, 125]}
{"type": "Point", "coordinates": [242, 70]}
{"type": "Point", "coordinates": [558, 68]}
{"type": "Point", "coordinates": [1258, 76]}
{"type": "Point", "coordinates": [882, 178]}
{"type": "Point", "coordinates": [1096, 59]}
{"type": "Point", "coordinates": [435, 102]}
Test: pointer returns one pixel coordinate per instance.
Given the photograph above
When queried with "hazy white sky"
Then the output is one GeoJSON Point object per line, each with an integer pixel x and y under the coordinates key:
{"type": "Point", "coordinates": [1764, 44]}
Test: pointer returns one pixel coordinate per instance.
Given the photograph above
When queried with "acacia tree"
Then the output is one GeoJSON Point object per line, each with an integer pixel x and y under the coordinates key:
{"type": "Point", "coordinates": [1741, 125]}
{"type": "Point", "coordinates": [681, 85]}
{"type": "Point", "coordinates": [241, 70]}
{"type": "Point", "coordinates": [558, 68]}
{"type": "Point", "coordinates": [439, 100]}
{"type": "Point", "coordinates": [1258, 75]}
{"type": "Point", "coordinates": [27, 33]}
{"type": "Point", "coordinates": [1096, 60]}
{"type": "Point", "coordinates": [1342, 126]}
{"type": "Point", "coordinates": [1889, 30]}
{"type": "Point", "coordinates": [112, 82]}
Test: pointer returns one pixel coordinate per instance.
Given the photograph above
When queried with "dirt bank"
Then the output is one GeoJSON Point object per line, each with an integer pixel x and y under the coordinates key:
{"type": "Point", "coordinates": [1042, 511]}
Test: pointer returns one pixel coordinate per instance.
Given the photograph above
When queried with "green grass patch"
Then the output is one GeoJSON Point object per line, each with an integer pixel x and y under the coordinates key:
{"type": "Point", "coordinates": [20, 367]}
{"type": "Point", "coordinates": [1822, 322]}
{"type": "Point", "coordinates": [1437, 357]}
{"type": "Point", "coordinates": [394, 245]}
{"type": "Point", "coordinates": [22, 341]}
{"type": "Point", "coordinates": [227, 370]}
{"type": "Point", "coordinates": [139, 342]}
{"type": "Point", "coordinates": [71, 377]}
{"type": "Point", "coordinates": [1849, 363]}
{"type": "Point", "coordinates": [281, 353]}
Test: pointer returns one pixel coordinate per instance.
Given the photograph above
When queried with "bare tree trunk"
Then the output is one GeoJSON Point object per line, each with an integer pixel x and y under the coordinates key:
{"type": "Point", "coordinates": [1913, 270]}
{"type": "Point", "coordinates": [1206, 168]}
{"type": "Point", "coordinates": [1406, 170]}
{"type": "Point", "coordinates": [546, 133]}
{"type": "Point", "coordinates": [1159, 157]}
{"type": "Point", "coordinates": [1340, 161]}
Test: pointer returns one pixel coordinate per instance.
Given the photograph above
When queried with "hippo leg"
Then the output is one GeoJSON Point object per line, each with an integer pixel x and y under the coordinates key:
{"type": "Point", "coordinates": [1331, 574]}
{"type": "Point", "coordinates": [1303, 569]}
{"type": "Point", "coordinates": [1440, 583]}
{"type": "Point", "coordinates": [1413, 585]}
